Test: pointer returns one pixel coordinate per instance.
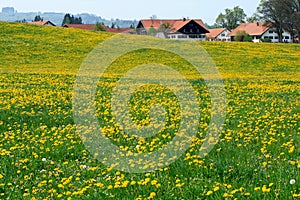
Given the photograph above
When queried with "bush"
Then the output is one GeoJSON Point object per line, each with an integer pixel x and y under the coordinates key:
{"type": "Point", "coordinates": [266, 40]}
{"type": "Point", "coordinates": [243, 36]}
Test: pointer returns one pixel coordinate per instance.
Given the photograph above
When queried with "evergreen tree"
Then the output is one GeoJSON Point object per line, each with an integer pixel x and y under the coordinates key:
{"type": "Point", "coordinates": [70, 19]}
{"type": "Point", "coordinates": [37, 18]}
{"type": "Point", "coordinates": [113, 25]}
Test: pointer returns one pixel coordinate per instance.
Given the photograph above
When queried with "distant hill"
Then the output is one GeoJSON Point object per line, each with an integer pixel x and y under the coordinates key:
{"type": "Point", "coordinates": [57, 18]}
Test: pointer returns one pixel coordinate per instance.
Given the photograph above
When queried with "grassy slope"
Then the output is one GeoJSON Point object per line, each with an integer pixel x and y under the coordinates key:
{"type": "Point", "coordinates": [38, 67]}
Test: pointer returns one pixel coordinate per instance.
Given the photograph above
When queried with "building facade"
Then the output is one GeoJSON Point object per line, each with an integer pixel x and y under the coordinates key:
{"type": "Point", "coordinates": [182, 29]}
{"type": "Point", "coordinates": [218, 34]}
{"type": "Point", "coordinates": [261, 31]}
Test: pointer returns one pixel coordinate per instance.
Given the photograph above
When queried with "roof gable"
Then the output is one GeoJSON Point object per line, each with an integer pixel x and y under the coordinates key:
{"type": "Point", "coordinates": [215, 32]}
{"type": "Point", "coordinates": [42, 23]}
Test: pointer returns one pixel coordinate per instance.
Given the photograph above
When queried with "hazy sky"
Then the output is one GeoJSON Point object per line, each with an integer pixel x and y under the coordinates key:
{"type": "Point", "coordinates": [136, 9]}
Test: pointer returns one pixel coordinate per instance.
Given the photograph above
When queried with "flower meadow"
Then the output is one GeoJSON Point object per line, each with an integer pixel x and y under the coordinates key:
{"type": "Point", "coordinates": [42, 156]}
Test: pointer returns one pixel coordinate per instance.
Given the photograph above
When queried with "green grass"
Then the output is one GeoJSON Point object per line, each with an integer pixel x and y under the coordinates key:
{"type": "Point", "coordinates": [257, 155]}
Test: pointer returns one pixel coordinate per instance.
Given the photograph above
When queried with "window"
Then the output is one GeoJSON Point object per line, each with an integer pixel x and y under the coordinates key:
{"type": "Point", "coordinates": [223, 35]}
{"type": "Point", "coordinates": [287, 37]}
{"type": "Point", "coordinates": [271, 37]}
{"type": "Point", "coordinates": [182, 36]}
{"type": "Point", "coordinates": [271, 31]}
{"type": "Point", "coordinates": [191, 30]}
{"type": "Point", "coordinates": [266, 37]}
{"type": "Point", "coordinates": [276, 37]}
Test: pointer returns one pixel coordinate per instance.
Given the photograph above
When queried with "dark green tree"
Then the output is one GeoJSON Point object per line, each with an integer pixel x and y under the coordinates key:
{"type": "Point", "coordinates": [37, 18]}
{"type": "Point", "coordinates": [67, 19]}
{"type": "Point", "coordinates": [77, 20]}
{"type": "Point", "coordinates": [232, 18]}
{"type": "Point", "coordinates": [283, 14]}
{"type": "Point", "coordinates": [70, 19]}
{"type": "Point", "coordinates": [113, 25]}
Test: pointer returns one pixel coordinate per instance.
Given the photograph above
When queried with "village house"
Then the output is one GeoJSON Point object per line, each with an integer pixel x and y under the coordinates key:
{"type": "Point", "coordinates": [92, 27]}
{"type": "Point", "coordinates": [43, 23]}
{"type": "Point", "coordinates": [218, 34]}
{"type": "Point", "coordinates": [183, 29]}
{"type": "Point", "coordinates": [259, 31]}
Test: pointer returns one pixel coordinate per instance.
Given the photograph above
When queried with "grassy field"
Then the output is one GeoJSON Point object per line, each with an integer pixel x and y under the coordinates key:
{"type": "Point", "coordinates": [42, 157]}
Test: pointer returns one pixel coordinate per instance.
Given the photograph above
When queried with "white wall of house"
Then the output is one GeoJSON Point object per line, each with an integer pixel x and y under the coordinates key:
{"type": "Point", "coordinates": [179, 36]}
{"type": "Point", "coordinates": [273, 36]}
{"type": "Point", "coordinates": [224, 36]}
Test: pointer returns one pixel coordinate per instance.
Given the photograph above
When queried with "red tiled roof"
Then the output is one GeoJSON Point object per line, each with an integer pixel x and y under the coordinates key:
{"type": "Point", "coordinates": [42, 23]}
{"type": "Point", "coordinates": [253, 29]}
{"type": "Point", "coordinates": [174, 23]}
{"type": "Point", "coordinates": [215, 32]}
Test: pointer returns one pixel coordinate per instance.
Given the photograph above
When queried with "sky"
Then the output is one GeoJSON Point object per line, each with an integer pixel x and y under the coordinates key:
{"type": "Point", "coordinates": [136, 9]}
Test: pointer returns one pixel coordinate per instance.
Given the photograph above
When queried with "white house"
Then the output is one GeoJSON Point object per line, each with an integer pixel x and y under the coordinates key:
{"type": "Point", "coordinates": [181, 29]}
{"type": "Point", "coordinates": [259, 31]}
{"type": "Point", "coordinates": [218, 34]}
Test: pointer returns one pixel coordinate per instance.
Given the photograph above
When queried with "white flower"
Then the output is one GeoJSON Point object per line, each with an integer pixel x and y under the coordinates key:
{"type": "Point", "coordinates": [44, 159]}
{"type": "Point", "coordinates": [83, 166]}
{"type": "Point", "coordinates": [292, 181]}
{"type": "Point", "coordinates": [42, 171]}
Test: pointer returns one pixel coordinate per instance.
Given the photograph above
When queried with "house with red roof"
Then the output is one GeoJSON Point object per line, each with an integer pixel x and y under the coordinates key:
{"type": "Point", "coordinates": [218, 34]}
{"type": "Point", "coordinates": [43, 23]}
{"type": "Point", "coordinates": [259, 31]}
{"type": "Point", "coordinates": [91, 27]}
{"type": "Point", "coordinates": [184, 29]}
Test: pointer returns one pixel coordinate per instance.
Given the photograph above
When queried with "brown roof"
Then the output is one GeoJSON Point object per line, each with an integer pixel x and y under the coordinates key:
{"type": "Point", "coordinates": [119, 30]}
{"type": "Point", "coordinates": [42, 23]}
{"type": "Point", "coordinates": [81, 26]}
{"type": "Point", "coordinates": [215, 32]}
{"type": "Point", "coordinates": [174, 23]}
{"type": "Point", "coordinates": [253, 29]}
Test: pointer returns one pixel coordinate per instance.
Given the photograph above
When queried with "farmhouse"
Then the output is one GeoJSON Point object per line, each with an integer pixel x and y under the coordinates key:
{"type": "Point", "coordinates": [260, 30]}
{"type": "Point", "coordinates": [43, 23]}
{"type": "Point", "coordinates": [183, 29]}
{"type": "Point", "coordinates": [92, 26]}
{"type": "Point", "coordinates": [218, 34]}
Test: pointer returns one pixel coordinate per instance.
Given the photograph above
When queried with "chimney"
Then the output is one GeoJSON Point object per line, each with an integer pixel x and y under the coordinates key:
{"type": "Point", "coordinates": [184, 19]}
{"type": "Point", "coordinates": [257, 23]}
